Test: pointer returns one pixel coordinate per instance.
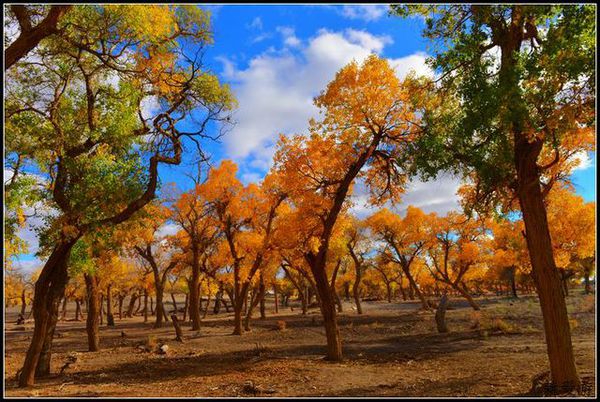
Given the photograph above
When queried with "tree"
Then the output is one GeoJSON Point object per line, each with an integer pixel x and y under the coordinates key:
{"type": "Point", "coordinates": [456, 250]}
{"type": "Point", "coordinates": [405, 239]}
{"type": "Point", "coordinates": [364, 129]}
{"type": "Point", "coordinates": [90, 138]}
{"type": "Point", "coordinates": [246, 217]}
{"type": "Point", "coordinates": [513, 123]}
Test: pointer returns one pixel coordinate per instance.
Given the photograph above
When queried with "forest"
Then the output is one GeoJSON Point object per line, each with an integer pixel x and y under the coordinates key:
{"type": "Point", "coordinates": [152, 285]}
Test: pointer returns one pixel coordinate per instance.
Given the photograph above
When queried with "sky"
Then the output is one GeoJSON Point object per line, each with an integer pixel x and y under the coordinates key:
{"type": "Point", "coordinates": [277, 58]}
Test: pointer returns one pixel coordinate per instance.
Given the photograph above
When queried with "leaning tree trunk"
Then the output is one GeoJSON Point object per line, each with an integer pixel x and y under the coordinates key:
{"type": "Point", "coordinates": [174, 303]}
{"type": "Point", "coordinates": [461, 288]}
{"type": "Point", "coordinates": [132, 300]}
{"type": "Point", "coordinates": [92, 323]}
{"type": "Point", "coordinates": [338, 301]}
{"type": "Point", "coordinates": [262, 295]}
{"type": "Point", "coordinates": [49, 289]}
{"type": "Point", "coordinates": [513, 282]}
{"type": "Point", "coordinates": [185, 307]}
{"type": "Point", "coordinates": [545, 274]}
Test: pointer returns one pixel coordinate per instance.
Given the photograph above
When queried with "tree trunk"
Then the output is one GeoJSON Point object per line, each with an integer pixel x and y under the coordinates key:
{"type": "Point", "coordinates": [347, 290]}
{"type": "Point", "coordinates": [131, 306]}
{"type": "Point", "coordinates": [276, 298]}
{"type": "Point", "coordinates": [338, 301]}
{"type": "Point", "coordinates": [178, 332]}
{"type": "Point", "coordinates": [64, 309]}
{"type": "Point", "coordinates": [327, 305]}
{"type": "Point", "coordinates": [152, 311]}
{"type": "Point", "coordinates": [101, 308]}
{"type": "Point", "coordinates": [218, 298]}
{"type": "Point", "coordinates": [160, 308]}
{"type": "Point", "coordinates": [588, 287]}
{"type": "Point", "coordinates": [544, 271]}
{"type": "Point", "coordinates": [304, 299]}
{"type": "Point", "coordinates": [194, 287]}
{"type": "Point", "coordinates": [24, 301]}
{"type": "Point", "coordinates": [174, 303]}
{"type": "Point", "coordinates": [49, 289]}
{"type": "Point", "coordinates": [92, 322]}
{"type": "Point", "coordinates": [513, 282]}
{"type": "Point", "coordinates": [388, 288]}
{"type": "Point", "coordinates": [77, 310]}
{"type": "Point", "coordinates": [121, 297]}
{"type": "Point", "coordinates": [237, 318]}
{"type": "Point", "coordinates": [356, 290]}
{"type": "Point", "coordinates": [145, 305]}
{"type": "Point", "coordinates": [110, 320]}
{"type": "Point", "coordinates": [185, 307]}
{"type": "Point", "coordinates": [262, 295]}
{"type": "Point", "coordinates": [440, 314]}
{"type": "Point", "coordinates": [461, 288]}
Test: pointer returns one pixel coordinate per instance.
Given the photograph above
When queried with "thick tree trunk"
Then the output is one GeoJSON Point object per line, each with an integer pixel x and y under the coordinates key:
{"type": "Point", "coordinates": [101, 308]}
{"type": "Point", "coordinates": [545, 274]}
{"type": "Point", "coordinates": [388, 288]}
{"type": "Point", "coordinates": [49, 289]}
{"type": "Point", "coordinates": [332, 332]}
{"type": "Point", "coordinates": [152, 310]}
{"type": "Point", "coordinates": [347, 291]}
{"type": "Point", "coordinates": [304, 299]}
{"type": "Point", "coordinates": [237, 318]}
{"type": "Point", "coordinates": [218, 298]}
{"type": "Point", "coordinates": [414, 289]}
{"type": "Point", "coordinates": [131, 306]}
{"type": "Point", "coordinates": [92, 323]}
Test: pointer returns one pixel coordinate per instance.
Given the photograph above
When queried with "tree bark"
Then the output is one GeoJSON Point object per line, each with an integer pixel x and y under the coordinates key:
{"type": "Point", "coordinates": [49, 289]}
{"type": "Point", "coordinates": [31, 36]}
{"type": "Point", "coordinates": [194, 287]}
{"type": "Point", "coordinates": [461, 288]}
{"type": "Point", "coordinates": [92, 322]}
{"type": "Point", "coordinates": [276, 298]}
{"type": "Point", "coordinates": [178, 332]}
{"type": "Point", "coordinates": [64, 309]}
{"type": "Point", "coordinates": [327, 305]}
{"type": "Point", "coordinates": [110, 320]}
{"type": "Point", "coordinates": [131, 306]}
{"type": "Point", "coordinates": [77, 310]}
{"type": "Point", "coordinates": [440, 314]}
{"type": "Point", "coordinates": [24, 301]}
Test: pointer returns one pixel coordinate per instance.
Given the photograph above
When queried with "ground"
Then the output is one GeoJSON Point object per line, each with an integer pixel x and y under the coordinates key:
{"type": "Point", "coordinates": [390, 350]}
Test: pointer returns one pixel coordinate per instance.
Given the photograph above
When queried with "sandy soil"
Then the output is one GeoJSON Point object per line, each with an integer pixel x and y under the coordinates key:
{"type": "Point", "coordinates": [390, 350]}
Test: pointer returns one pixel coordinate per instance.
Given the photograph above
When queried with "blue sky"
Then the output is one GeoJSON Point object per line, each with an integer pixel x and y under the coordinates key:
{"type": "Point", "coordinates": [277, 58]}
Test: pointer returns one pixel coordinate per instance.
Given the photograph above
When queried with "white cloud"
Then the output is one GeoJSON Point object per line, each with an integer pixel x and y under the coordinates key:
{"type": "Point", "coordinates": [414, 62]}
{"type": "Point", "coordinates": [276, 90]}
{"type": "Point", "coordinates": [289, 36]}
{"type": "Point", "coordinates": [437, 196]}
{"type": "Point", "coordinates": [168, 229]}
{"type": "Point", "coordinates": [583, 160]}
{"type": "Point", "coordinates": [367, 12]}
{"type": "Point", "coordinates": [256, 24]}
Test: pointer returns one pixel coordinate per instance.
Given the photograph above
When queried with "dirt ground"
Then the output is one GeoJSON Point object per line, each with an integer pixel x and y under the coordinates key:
{"type": "Point", "coordinates": [390, 350]}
